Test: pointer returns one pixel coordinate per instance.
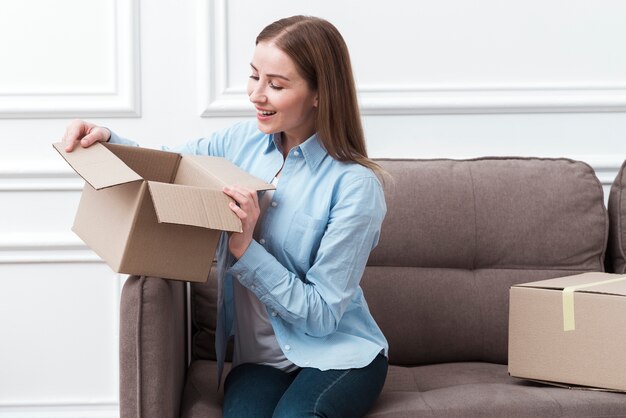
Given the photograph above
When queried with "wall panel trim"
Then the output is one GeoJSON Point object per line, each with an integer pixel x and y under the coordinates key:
{"type": "Point", "coordinates": [75, 409]}
{"type": "Point", "coordinates": [216, 98]}
{"type": "Point", "coordinates": [122, 101]}
{"type": "Point", "coordinates": [39, 248]}
{"type": "Point", "coordinates": [22, 175]}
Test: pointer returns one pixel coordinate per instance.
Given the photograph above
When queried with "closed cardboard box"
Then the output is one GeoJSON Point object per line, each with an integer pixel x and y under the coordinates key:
{"type": "Point", "coordinates": [570, 330]}
{"type": "Point", "coordinates": [155, 213]}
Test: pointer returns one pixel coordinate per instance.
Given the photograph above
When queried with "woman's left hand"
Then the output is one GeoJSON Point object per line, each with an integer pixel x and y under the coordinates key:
{"type": "Point", "coordinates": [247, 209]}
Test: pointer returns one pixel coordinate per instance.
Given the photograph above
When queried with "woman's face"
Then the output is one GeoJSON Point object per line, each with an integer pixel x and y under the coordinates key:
{"type": "Point", "coordinates": [283, 99]}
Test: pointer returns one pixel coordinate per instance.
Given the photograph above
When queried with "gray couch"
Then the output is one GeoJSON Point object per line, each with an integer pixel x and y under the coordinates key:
{"type": "Point", "coordinates": [457, 235]}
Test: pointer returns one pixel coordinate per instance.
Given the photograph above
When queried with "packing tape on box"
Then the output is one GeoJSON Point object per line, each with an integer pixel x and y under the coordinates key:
{"type": "Point", "coordinates": [569, 322]}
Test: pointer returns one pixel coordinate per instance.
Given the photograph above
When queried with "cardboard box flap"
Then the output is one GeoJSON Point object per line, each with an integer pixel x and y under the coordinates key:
{"type": "Point", "coordinates": [228, 174]}
{"type": "Point", "coordinates": [195, 206]}
{"type": "Point", "coordinates": [594, 282]}
{"type": "Point", "coordinates": [617, 287]}
{"type": "Point", "coordinates": [98, 166]}
{"type": "Point", "coordinates": [150, 164]}
{"type": "Point", "coordinates": [561, 283]}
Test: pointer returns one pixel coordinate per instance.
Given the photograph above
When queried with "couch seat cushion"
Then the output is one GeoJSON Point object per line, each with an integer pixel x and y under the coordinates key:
{"type": "Point", "coordinates": [485, 390]}
{"type": "Point", "coordinates": [440, 390]}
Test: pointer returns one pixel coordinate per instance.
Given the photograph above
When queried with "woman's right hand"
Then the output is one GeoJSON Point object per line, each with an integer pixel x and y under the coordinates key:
{"type": "Point", "coordinates": [85, 133]}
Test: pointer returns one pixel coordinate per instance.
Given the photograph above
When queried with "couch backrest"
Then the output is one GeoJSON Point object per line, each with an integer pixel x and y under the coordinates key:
{"type": "Point", "coordinates": [457, 235]}
{"type": "Point", "coordinates": [616, 252]}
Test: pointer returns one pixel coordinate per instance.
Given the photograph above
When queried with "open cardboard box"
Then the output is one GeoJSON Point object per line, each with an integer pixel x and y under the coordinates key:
{"type": "Point", "coordinates": [155, 213]}
{"type": "Point", "coordinates": [570, 331]}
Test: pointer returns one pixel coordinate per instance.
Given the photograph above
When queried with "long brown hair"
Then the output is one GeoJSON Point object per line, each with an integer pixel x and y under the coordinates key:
{"type": "Point", "coordinates": [322, 59]}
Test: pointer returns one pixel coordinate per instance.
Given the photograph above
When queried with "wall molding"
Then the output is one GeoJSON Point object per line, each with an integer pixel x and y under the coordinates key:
{"type": "Point", "coordinates": [45, 248]}
{"type": "Point", "coordinates": [217, 98]}
{"type": "Point", "coordinates": [214, 99]}
{"type": "Point", "coordinates": [120, 100]}
{"type": "Point", "coordinates": [74, 409]}
{"type": "Point", "coordinates": [24, 175]}
{"type": "Point", "coordinates": [505, 99]}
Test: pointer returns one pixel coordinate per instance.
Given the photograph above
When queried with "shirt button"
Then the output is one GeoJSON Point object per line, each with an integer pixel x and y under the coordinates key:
{"type": "Point", "coordinates": [287, 347]}
{"type": "Point", "coordinates": [274, 313]}
{"type": "Point", "coordinates": [262, 241]}
{"type": "Point", "coordinates": [274, 204]}
{"type": "Point", "coordinates": [253, 287]}
{"type": "Point", "coordinates": [239, 276]}
{"type": "Point", "coordinates": [296, 153]}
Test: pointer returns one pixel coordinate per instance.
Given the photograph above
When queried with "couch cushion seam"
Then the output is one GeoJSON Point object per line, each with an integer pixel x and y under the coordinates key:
{"type": "Point", "coordinates": [142, 281]}
{"type": "Point", "coordinates": [547, 392]}
{"type": "Point", "coordinates": [473, 270]}
{"type": "Point", "coordinates": [471, 176]}
{"type": "Point", "coordinates": [191, 380]}
{"type": "Point", "coordinates": [432, 410]}
{"type": "Point", "coordinates": [415, 382]}
{"type": "Point", "coordinates": [482, 318]}
{"type": "Point", "coordinates": [421, 394]}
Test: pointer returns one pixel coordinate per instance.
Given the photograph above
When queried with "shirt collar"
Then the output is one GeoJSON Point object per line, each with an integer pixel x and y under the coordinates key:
{"type": "Point", "coordinates": [273, 142]}
{"type": "Point", "coordinates": [312, 149]}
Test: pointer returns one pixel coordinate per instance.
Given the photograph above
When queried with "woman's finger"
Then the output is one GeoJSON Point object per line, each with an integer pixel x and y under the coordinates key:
{"type": "Point", "coordinates": [238, 211]}
{"type": "Point", "coordinates": [96, 134]}
{"type": "Point", "coordinates": [239, 198]}
{"type": "Point", "coordinates": [73, 134]}
{"type": "Point", "coordinates": [242, 196]}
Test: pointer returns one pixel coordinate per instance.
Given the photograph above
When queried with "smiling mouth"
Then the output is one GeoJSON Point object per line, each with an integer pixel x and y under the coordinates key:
{"type": "Point", "coordinates": [265, 113]}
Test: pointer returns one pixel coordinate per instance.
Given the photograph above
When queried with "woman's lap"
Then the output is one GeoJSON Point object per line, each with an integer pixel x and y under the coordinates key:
{"type": "Point", "coordinates": [261, 391]}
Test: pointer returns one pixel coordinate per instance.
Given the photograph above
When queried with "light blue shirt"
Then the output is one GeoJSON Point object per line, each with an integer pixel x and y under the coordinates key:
{"type": "Point", "coordinates": [313, 243]}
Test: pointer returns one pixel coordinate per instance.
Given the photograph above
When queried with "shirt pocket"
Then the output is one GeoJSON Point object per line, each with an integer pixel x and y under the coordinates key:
{"type": "Point", "coordinates": [303, 239]}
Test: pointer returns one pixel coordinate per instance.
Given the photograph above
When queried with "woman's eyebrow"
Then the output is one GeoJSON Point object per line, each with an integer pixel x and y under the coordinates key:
{"type": "Point", "coordinates": [270, 75]}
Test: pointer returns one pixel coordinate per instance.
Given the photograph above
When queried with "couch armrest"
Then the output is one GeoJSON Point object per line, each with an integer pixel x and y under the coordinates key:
{"type": "Point", "coordinates": [152, 347]}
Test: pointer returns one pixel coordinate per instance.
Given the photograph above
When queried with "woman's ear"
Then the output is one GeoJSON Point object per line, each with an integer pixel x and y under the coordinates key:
{"type": "Point", "coordinates": [315, 101]}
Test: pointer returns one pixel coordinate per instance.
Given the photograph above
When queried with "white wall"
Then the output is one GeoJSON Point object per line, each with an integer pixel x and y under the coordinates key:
{"type": "Point", "coordinates": [447, 78]}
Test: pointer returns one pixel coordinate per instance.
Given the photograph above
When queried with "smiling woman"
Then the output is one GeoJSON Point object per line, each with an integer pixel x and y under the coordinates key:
{"type": "Point", "coordinates": [284, 100]}
{"type": "Point", "coordinates": [305, 341]}
{"type": "Point", "coordinates": [321, 58]}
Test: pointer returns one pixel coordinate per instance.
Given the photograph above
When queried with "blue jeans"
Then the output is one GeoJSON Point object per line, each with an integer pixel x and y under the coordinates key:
{"type": "Point", "coordinates": [254, 390]}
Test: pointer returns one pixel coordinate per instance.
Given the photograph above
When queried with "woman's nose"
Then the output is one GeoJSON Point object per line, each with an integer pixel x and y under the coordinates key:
{"type": "Point", "coordinates": [257, 95]}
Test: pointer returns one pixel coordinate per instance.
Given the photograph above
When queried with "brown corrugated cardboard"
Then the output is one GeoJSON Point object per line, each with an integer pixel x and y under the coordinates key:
{"type": "Point", "coordinates": [570, 330]}
{"type": "Point", "coordinates": [155, 213]}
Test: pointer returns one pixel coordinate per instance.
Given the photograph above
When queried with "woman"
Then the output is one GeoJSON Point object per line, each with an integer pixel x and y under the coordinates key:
{"type": "Point", "coordinates": [305, 341]}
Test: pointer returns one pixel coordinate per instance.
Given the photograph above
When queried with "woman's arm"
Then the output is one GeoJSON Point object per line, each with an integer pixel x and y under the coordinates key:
{"type": "Point", "coordinates": [317, 303]}
{"type": "Point", "coordinates": [85, 134]}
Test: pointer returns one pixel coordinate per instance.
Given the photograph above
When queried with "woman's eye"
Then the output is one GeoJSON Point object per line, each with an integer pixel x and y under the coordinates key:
{"type": "Point", "coordinates": [254, 77]}
{"type": "Point", "coordinates": [275, 87]}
